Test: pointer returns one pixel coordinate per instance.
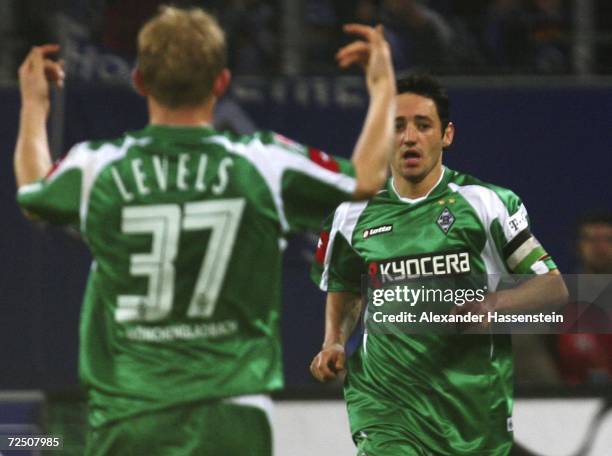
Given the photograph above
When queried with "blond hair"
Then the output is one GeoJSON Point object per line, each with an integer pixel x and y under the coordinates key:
{"type": "Point", "coordinates": [180, 53]}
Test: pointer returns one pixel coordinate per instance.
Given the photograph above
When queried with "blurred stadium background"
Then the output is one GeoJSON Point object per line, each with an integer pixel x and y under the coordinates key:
{"type": "Point", "coordinates": [531, 97]}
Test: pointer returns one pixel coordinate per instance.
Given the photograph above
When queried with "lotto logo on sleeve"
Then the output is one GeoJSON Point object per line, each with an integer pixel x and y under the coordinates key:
{"type": "Point", "coordinates": [323, 160]}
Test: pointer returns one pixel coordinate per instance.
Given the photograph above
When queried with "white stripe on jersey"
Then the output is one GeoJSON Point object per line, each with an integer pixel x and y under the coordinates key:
{"type": "Point", "coordinates": [95, 161]}
{"type": "Point", "coordinates": [345, 220]}
{"type": "Point", "coordinates": [488, 206]}
{"type": "Point", "coordinates": [272, 160]}
{"type": "Point", "coordinates": [29, 188]}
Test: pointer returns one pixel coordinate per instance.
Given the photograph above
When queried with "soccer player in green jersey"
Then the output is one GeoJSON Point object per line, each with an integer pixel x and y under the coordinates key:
{"type": "Point", "coordinates": [428, 394]}
{"type": "Point", "coordinates": [179, 336]}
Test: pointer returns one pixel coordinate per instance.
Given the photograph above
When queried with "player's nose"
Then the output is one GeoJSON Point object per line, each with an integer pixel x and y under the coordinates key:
{"type": "Point", "coordinates": [411, 131]}
{"type": "Point", "coordinates": [409, 135]}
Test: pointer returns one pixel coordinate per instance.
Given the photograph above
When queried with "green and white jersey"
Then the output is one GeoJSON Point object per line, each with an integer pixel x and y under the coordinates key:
{"type": "Point", "coordinates": [186, 226]}
{"type": "Point", "coordinates": [451, 394]}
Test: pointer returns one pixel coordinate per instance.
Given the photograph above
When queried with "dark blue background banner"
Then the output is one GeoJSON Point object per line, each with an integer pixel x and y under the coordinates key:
{"type": "Point", "coordinates": [552, 146]}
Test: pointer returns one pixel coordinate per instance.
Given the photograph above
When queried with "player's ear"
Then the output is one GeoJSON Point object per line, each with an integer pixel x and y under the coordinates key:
{"type": "Point", "coordinates": [138, 82]}
{"type": "Point", "coordinates": [221, 82]}
{"type": "Point", "coordinates": [449, 135]}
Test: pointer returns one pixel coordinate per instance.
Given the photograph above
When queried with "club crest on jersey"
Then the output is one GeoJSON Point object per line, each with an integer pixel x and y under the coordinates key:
{"type": "Point", "coordinates": [446, 220]}
{"type": "Point", "coordinates": [382, 229]}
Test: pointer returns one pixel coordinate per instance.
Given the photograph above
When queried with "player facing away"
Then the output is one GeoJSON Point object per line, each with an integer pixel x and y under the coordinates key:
{"type": "Point", "coordinates": [428, 394]}
{"type": "Point", "coordinates": [179, 337]}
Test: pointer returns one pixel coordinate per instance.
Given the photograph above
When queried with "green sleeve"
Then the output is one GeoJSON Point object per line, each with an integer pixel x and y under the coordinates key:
{"type": "Point", "coordinates": [312, 183]}
{"type": "Point", "coordinates": [55, 198]}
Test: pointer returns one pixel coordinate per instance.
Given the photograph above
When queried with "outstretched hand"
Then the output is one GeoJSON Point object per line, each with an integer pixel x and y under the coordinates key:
{"type": "Point", "coordinates": [372, 53]}
{"type": "Point", "coordinates": [37, 72]}
{"type": "Point", "coordinates": [328, 363]}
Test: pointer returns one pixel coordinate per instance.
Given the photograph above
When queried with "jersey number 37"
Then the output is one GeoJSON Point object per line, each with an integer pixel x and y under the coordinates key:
{"type": "Point", "coordinates": [165, 222]}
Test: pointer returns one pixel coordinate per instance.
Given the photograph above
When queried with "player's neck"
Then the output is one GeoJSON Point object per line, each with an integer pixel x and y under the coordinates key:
{"type": "Point", "coordinates": [198, 115]}
{"type": "Point", "coordinates": [413, 190]}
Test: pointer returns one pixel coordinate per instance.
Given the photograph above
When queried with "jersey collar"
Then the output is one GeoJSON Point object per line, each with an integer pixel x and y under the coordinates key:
{"type": "Point", "coordinates": [436, 189]}
{"type": "Point", "coordinates": [196, 131]}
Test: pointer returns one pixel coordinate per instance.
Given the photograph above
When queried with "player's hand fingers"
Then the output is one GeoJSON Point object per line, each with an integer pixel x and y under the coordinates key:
{"type": "Point", "coordinates": [354, 47]}
{"type": "Point", "coordinates": [356, 52]}
{"type": "Point", "coordinates": [35, 60]}
{"type": "Point", "coordinates": [321, 367]}
{"type": "Point", "coordinates": [326, 368]}
{"type": "Point", "coordinates": [379, 32]}
{"type": "Point", "coordinates": [364, 31]}
{"type": "Point", "coordinates": [38, 53]}
{"type": "Point", "coordinates": [360, 59]}
{"type": "Point", "coordinates": [322, 372]}
{"type": "Point", "coordinates": [29, 63]}
{"type": "Point", "coordinates": [316, 368]}
{"type": "Point", "coordinates": [54, 72]}
{"type": "Point", "coordinates": [359, 51]}
{"type": "Point", "coordinates": [339, 363]}
{"type": "Point", "coordinates": [46, 50]}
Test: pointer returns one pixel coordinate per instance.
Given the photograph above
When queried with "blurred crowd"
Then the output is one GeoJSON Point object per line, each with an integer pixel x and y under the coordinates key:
{"type": "Point", "coordinates": [587, 358]}
{"type": "Point", "coordinates": [575, 358]}
{"type": "Point", "coordinates": [442, 36]}
{"type": "Point", "coordinates": [446, 37]}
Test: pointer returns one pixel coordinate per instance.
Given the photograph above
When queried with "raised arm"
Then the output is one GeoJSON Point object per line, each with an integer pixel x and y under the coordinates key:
{"type": "Point", "coordinates": [342, 312]}
{"type": "Point", "coordinates": [373, 148]}
{"type": "Point", "coordinates": [32, 159]}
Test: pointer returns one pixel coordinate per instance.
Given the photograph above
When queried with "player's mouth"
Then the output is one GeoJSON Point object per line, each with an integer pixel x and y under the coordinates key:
{"type": "Point", "coordinates": [411, 157]}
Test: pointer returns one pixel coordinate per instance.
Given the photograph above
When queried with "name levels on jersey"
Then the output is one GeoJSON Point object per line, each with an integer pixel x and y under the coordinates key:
{"type": "Point", "coordinates": [184, 179]}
